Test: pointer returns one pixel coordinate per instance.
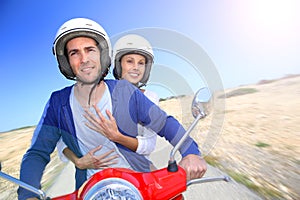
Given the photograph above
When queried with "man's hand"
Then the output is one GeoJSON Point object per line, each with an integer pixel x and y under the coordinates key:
{"type": "Point", "coordinates": [194, 166]}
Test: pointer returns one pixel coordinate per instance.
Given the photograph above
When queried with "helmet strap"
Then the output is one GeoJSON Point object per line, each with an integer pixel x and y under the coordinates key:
{"type": "Point", "coordinates": [97, 82]}
{"type": "Point", "coordinates": [141, 85]}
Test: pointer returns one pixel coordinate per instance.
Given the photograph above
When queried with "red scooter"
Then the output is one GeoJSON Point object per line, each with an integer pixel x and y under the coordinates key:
{"type": "Point", "coordinates": [125, 184]}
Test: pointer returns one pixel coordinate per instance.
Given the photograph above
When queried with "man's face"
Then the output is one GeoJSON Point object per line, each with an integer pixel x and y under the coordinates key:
{"type": "Point", "coordinates": [84, 59]}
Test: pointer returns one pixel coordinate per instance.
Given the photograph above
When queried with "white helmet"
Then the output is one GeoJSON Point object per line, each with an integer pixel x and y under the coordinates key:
{"type": "Point", "coordinates": [81, 27]}
{"type": "Point", "coordinates": [129, 44]}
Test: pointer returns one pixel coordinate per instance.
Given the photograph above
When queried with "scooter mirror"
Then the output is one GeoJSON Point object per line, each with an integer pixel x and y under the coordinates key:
{"type": "Point", "coordinates": [201, 104]}
{"type": "Point", "coordinates": [200, 108]}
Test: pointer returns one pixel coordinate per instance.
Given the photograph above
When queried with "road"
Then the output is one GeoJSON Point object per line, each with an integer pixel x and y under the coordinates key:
{"type": "Point", "coordinates": [209, 191]}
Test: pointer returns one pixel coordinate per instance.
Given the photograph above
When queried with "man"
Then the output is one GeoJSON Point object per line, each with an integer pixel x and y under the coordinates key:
{"type": "Point", "coordinates": [83, 52]}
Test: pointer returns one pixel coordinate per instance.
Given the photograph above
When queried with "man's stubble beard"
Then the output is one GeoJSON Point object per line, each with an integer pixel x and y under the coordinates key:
{"type": "Point", "coordinates": [84, 81]}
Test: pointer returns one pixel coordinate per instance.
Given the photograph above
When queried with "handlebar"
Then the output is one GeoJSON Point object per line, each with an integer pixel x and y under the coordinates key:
{"type": "Point", "coordinates": [208, 179]}
{"type": "Point", "coordinates": [26, 186]}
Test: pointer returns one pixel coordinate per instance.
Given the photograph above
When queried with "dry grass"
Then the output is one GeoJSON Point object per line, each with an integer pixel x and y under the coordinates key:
{"type": "Point", "coordinates": [13, 146]}
{"type": "Point", "coordinates": [259, 142]}
{"type": "Point", "coordinates": [259, 138]}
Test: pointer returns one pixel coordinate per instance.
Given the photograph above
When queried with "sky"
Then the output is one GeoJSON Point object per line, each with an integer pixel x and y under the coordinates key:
{"type": "Point", "coordinates": [239, 42]}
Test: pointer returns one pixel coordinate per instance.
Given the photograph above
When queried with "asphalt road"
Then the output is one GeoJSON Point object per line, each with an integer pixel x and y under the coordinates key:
{"type": "Point", "coordinates": [211, 190]}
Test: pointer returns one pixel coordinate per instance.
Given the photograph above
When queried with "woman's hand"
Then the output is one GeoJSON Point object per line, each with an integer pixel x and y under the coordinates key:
{"type": "Point", "coordinates": [91, 161]}
{"type": "Point", "coordinates": [107, 127]}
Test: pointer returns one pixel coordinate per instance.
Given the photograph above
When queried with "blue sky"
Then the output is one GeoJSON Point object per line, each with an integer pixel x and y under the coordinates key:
{"type": "Point", "coordinates": [247, 40]}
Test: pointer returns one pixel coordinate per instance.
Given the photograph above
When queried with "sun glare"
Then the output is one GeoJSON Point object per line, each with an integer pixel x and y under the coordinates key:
{"type": "Point", "coordinates": [267, 23]}
{"type": "Point", "coordinates": [275, 14]}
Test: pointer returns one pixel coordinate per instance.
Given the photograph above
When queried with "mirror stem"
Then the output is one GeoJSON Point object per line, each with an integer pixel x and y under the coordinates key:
{"type": "Point", "coordinates": [187, 133]}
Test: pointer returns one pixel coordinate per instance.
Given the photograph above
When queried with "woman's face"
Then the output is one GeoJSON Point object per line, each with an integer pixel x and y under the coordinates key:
{"type": "Point", "coordinates": [133, 67]}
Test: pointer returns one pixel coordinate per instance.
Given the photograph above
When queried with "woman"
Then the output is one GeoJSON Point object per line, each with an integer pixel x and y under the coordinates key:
{"type": "Point", "coordinates": [133, 59]}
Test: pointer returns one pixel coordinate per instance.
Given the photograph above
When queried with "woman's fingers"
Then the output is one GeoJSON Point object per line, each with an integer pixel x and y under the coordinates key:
{"type": "Point", "coordinates": [104, 160]}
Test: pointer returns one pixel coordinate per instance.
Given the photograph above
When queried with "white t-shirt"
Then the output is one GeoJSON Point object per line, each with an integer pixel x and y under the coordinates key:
{"type": "Point", "coordinates": [89, 139]}
{"type": "Point", "coordinates": [146, 137]}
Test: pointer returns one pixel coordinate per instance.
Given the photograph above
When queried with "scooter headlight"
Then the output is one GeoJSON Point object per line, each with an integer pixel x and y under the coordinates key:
{"type": "Point", "coordinates": [113, 189]}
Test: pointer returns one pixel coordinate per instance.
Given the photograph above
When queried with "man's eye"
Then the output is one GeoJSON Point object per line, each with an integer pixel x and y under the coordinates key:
{"type": "Point", "coordinates": [72, 53]}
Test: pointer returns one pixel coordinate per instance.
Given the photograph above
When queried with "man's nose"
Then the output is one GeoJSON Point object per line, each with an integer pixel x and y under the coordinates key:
{"type": "Point", "coordinates": [84, 57]}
